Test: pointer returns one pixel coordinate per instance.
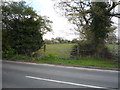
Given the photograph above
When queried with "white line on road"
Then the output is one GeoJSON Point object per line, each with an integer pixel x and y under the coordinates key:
{"type": "Point", "coordinates": [69, 67]}
{"type": "Point", "coordinates": [70, 83]}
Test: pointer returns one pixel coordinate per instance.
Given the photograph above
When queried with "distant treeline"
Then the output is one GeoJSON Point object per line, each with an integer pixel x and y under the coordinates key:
{"type": "Point", "coordinates": [60, 40]}
{"type": "Point", "coordinates": [110, 40]}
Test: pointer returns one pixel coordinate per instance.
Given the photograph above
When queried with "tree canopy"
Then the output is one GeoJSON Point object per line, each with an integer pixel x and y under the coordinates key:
{"type": "Point", "coordinates": [23, 28]}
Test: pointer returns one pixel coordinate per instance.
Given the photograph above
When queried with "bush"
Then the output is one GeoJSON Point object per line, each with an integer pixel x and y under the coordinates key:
{"type": "Point", "coordinates": [9, 53]}
{"type": "Point", "coordinates": [22, 29]}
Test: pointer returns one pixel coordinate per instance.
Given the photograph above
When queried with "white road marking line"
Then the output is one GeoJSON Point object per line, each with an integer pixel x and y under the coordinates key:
{"type": "Point", "coordinates": [70, 83]}
{"type": "Point", "coordinates": [79, 68]}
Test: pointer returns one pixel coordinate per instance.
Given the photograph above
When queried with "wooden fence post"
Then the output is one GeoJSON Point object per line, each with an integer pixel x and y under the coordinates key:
{"type": "Point", "coordinates": [44, 47]}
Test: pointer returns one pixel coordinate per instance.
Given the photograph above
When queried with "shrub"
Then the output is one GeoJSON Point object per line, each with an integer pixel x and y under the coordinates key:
{"type": "Point", "coordinates": [22, 29]}
{"type": "Point", "coordinates": [8, 53]}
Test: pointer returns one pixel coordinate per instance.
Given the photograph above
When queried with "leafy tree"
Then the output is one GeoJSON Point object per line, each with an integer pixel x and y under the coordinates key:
{"type": "Point", "coordinates": [99, 25]}
{"type": "Point", "coordinates": [79, 13]}
{"type": "Point", "coordinates": [22, 28]}
{"type": "Point", "coordinates": [92, 20]}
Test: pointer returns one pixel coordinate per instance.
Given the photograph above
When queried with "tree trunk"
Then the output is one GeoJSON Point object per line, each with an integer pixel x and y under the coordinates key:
{"type": "Point", "coordinates": [99, 48]}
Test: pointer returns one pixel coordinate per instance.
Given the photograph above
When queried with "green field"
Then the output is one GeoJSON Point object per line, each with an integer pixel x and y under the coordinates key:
{"type": "Point", "coordinates": [57, 50]}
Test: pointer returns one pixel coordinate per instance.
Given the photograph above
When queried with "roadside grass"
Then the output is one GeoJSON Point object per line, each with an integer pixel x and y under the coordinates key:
{"type": "Point", "coordinates": [97, 62]}
{"type": "Point", "coordinates": [60, 54]}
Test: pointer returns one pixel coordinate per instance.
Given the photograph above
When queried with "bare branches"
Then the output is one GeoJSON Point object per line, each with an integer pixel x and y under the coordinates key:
{"type": "Point", "coordinates": [114, 4]}
{"type": "Point", "coordinates": [115, 15]}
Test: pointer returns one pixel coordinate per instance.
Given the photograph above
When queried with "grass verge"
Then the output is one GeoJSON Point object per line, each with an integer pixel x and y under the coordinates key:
{"type": "Point", "coordinates": [97, 62]}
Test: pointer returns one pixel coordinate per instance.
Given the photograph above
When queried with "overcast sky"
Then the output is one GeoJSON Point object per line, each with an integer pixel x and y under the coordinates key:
{"type": "Point", "coordinates": [61, 27]}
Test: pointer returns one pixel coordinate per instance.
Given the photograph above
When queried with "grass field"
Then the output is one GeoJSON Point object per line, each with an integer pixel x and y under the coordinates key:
{"type": "Point", "coordinates": [58, 50]}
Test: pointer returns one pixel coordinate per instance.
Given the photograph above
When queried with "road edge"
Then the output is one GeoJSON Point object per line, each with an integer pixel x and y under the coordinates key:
{"type": "Point", "coordinates": [67, 66]}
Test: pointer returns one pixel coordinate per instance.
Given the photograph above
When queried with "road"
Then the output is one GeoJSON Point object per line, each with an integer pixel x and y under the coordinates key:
{"type": "Point", "coordinates": [31, 75]}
